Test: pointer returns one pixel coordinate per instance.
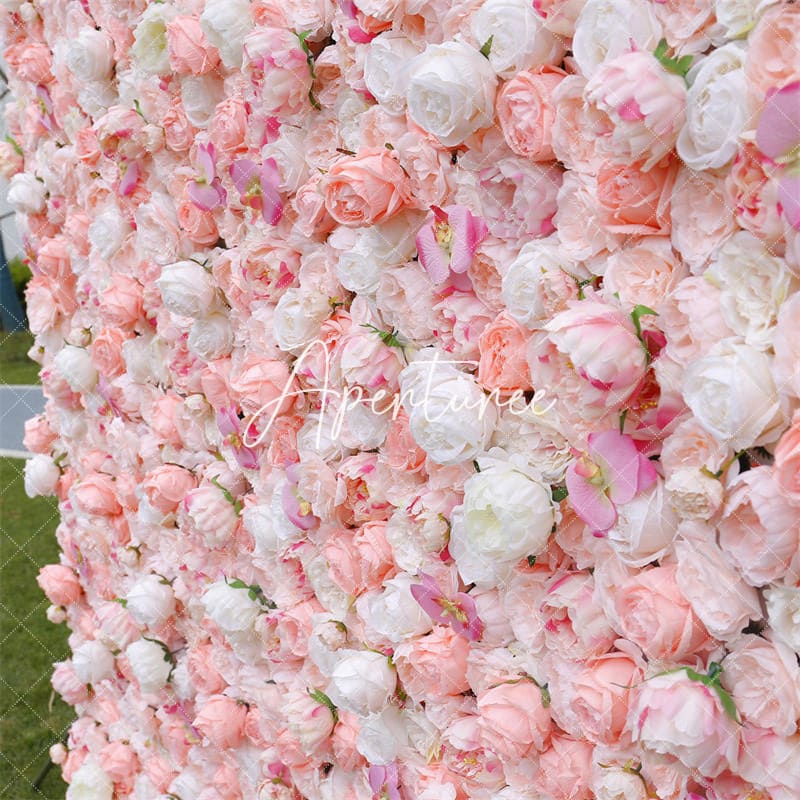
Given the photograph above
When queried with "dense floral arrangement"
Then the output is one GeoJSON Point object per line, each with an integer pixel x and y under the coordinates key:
{"type": "Point", "coordinates": [422, 392]}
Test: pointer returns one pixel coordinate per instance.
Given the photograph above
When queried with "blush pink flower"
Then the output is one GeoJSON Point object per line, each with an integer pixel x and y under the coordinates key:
{"type": "Point", "coordinates": [258, 187]}
{"type": "Point", "coordinates": [230, 426]}
{"type": "Point", "coordinates": [611, 473]}
{"type": "Point", "coordinates": [459, 612]}
{"type": "Point", "coordinates": [206, 191]}
{"type": "Point", "coordinates": [447, 242]}
{"type": "Point", "coordinates": [383, 780]}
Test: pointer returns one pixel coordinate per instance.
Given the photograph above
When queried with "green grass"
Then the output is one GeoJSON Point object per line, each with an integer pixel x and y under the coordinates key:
{"type": "Point", "coordinates": [31, 719]}
{"type": "Point", "coordinates": [15, 366]}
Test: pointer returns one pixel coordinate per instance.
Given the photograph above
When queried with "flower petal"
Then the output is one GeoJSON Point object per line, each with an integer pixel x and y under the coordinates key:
{"type": "Point", "coordinates": [778, 129]}
{"type": "Point", "coordinates": [590, 502]}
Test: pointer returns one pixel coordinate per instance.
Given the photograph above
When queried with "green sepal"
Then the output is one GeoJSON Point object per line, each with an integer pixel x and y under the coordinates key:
{"type": "Point", "coordinates": [234, 501]}
{"type": "Point", "coordinates": [389, 338]}
{"type": "Point", "coordinates": [559, 493]}
{"type": "Point", "coordinates": [320, 697]}
{"type": "Point", "coordinates": [487, 47]}
{"type": "Point", "coordinates": [678, 66]}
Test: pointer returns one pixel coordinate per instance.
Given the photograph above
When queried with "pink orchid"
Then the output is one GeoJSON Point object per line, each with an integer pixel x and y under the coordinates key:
{"type": "Point", "coordinates": [297, 508]}
{"type": "Point", "coordinates": [778, 138]}
{"type": "Point", "coordinates": [207, 192]}
{"type": "Point", "coordinates": [129, 172]}
{"type": "Point", "coordinates": [258, 187]}
{"type": "Point", "coordinates": [383, 780]}
{"type": "Point", "coordinates": [447, 242]}
{"type": "Point", "coordinates": [612, 473]}
{"type": "Point", "coordinates": [230, 426]}
{"type": "Point", "coordinates": [460, 613]}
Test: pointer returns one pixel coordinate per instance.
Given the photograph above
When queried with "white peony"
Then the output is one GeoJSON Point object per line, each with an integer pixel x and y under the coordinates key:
{"type": "Point", "coordinates": [732, 394]}
{"type": "Point", "coordinates": [149, 664]}
{"type": "Point", "coordinates": [451, 91]}
{"type": "Point", "coordinates": [211, 337]}
{"type": "Point", "coordinates": [616, 783]}
{"type": "Point", "coordinates": [90, 55]}
{"type": "Point", "coordinates": [519, 37]}
{"type": "Point", "coordinates": [230, 608]}
{"type": "Point", "coordinates": [226, 23]}
{"type": "Point", "coordinates": [41, 476]}
{"type": "Point", "coordinates": [298, 317]}
{"type": "Point", "coordinates": [26, 193]}
{"type": "Point", "coordinates": [736, 18]}
{"type": "Point", "coordinates": [717, 109]}
{"type": "Point", "coordinates": [108, 231]}
{"type": "Point", "coordinates": [507, 514]}
{"type": "Point", "coordinates": [362, 682]}
{"type": "Point", "coordinates": [90, 782]}
{"type": "Point", "coordinates": [93, 662]}
{"type": "Point", "coordinates": [150, 601]}
{"type": "Point", "coordinates": [380, 736]}
{"type": "Point", "coordinates": [74, 364]}
{"type": "Point", "coordinates": [149, 48]}
{"type": "Point", "coordinates": [386, 69]}
{"type": "Point", "coordinates": [783, 610]}
{"type": "Point", "coordinates": [187, 289]}
{"type": "Point", "coordinates": [393, 613]}
{"type": "Point", "coordinates": [200, 96]}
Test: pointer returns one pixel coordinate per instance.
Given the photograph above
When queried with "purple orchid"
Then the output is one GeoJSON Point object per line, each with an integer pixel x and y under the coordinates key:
{"type": "Point", "coordinates": [258, 187]}
{"type": "Point", "coordinates": [778, 138]}
{"type": "Point", "coordinates": [230, 426]}
{"type": "Point", "coordinates": [297, 508]}
{"type": "Point", "coordinates": [611, 473]}
{"type": "Point", "coordinates": [383, 780]}
{"type": "Point", "coordinates": [207, 192]}
{"type": "Point", "coordinates": [460, 613]}
{"type": "Point", "coordinates": [447, 242]}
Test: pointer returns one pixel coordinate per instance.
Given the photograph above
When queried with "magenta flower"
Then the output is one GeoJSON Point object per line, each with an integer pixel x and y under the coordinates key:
{"type": "Point", "coordinates": [207, 192]}
{"type": "Point", "coordinates": [297, 508]}
{"type": "Point", "coordinates": [612, 473]}
{"type": "Point", "coordinates": [460, 613]}
{"type": "Point", "coordinates": [230, 427]}
{"type": "Point", "coordinates": [383, 780]}
{"type": "Point", "coordinates": [258, 187]}
{"type": "Point", "coordinates": [778, 138]}
{"type": "Point", "coordinates": [447, 242]}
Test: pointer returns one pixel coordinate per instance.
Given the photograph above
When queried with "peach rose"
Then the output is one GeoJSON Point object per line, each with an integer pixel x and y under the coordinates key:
{"type": "Point", "coordinates": [221, 720]}
{"type": "Point", "coordinates": [635, 202]}
{"type": "Point", "coordinates": [526, 111]}
{"type": "Point", "coordinates": [121, 301]}
{"type": "Point", "coordinates": [95, 494]}
{"type": "Point", "coordinates": [60, 583]}
{"type": "Point", "coordinates": [167, 486]}
{"type": "Point", "coordinates": [190, 53]}
{"type": "Point", "coordinates": [503, 364]}
{"type": "Point", "coordinates": [656, 616]}
{"type": "Point", "coordinates": [513, 719]}
{"type": "Point", "coordinates": [366, 189]}
{"type": "Point", "coordinates": [228, 128]}
{"type": "Point", "coordinates": [260, 381]}
{"type": "Point", "coordinates": [198, 225]}
{"type": "Point", "coordinates": [787, 461]}
{"type": "Point", "coordinates": [106, 350]}
{"type": "Point", "coordinates": [433, 667]}
{"type": "Point", "coordinates": [565, 770]}
{"type": "Point", "coordinates": [773, 50]}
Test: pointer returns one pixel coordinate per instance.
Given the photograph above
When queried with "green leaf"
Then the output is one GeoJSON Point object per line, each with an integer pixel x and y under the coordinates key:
{"type": "Point", "coordinates": [546, 699]}
{"type": "Point", "coordinates": [323, 699]}
{"type": "Point", "coordinates": [559, 493]}
{"type": "Point", "coordinates": [137, 107]}
{"type": "Point", "coordinates": [531, 561]}
{"type": "Point", "coordinates": [678, 66]}
{"type": "Point", "coordinates": [122, 601]}
{"type": "Point", "coordinates": [13, 142]}
{"type": "Point", "coordinates": [622, 418]}
{"type": "Point", "coordinates": [487, 47]}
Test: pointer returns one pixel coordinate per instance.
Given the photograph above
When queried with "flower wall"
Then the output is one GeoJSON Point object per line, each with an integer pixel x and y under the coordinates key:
{"type": "Point", "coordinates": [423, 391]}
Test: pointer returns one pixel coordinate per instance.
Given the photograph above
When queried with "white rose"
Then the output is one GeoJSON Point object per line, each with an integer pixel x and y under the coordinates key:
{"type": "Point", "coordinates": [358, 271]}
{"type": "Point", "coordinates": [737, 17]}
{"type": "Point", "coordinates": [615, 783]}
{"type": "Point", "coordinates": [108, 231]}
{"type": "Point", "coordinates": [149, 48]}
{"type": "Point", "coordinates": [41, 476]}
{"type": "Point", "coordinates": [298, 317]}
{"type": "Point", "coordinates": [288, 152]}
{"type": "Point", "coordinates": [386, 69]}
{"type": "Point", "coordinates": [327, 638]}
{"type": "Point", "coordinates": [308, 720]}
{"type": "Point", "coordinates": [211, 337]}
{"type": "Point", "coordinates": [149, 664]}
{"type": "Point", "coordinates": [150, 601]}
{"type": "Point", "coordinates": [200, 96]}
{"type": "Point", "coordinates": [717, 109]}
{"type": "Point", "coordinates": [753, 287]}
{"type": "Point", "coordinates": [226, 23]}
{"type": "Point", "coordinates": [393, 613]}
{"type": "Point", "coordinates": [506, 515]}
{"type": "Point", "coordinates": [783, 610]}
{"type": "Point", "coordinates": [362, 682]}
{"type": "Point", "coordinates": [157, 229]}
{"type": "Point", "coordinates": [415, 539]}
{"type": "Point", "coordinates": [74, 364]}
{"type": "Point", "coordinates": [693, 494]}
{"type": "Point", "coordinates": [606, 29]}
{"type": "Point", "coordinates": [451, 91]}
{"type": "Point", "coordinates": [645, 528]}
{"type": "Point", "coordinates": [449, 415]}
{"type": "Point", "coordinates": [187, 289]}
{"type": "Point", "coordinates": [90, 55]}
{"type": "Point", "coordinates": [525, 283]}
{"type": "Point", "coordinates": [146, 359]}
{"type": "Point", "coordinates": [92, 662]}
{"type": "Point", "coordinates": [380, 736]}
{"type": "Point", "coordinates": [731, 393]}
{"type": "Point", "coordinates": [90, 782]}
{"type": "Point", "coordinates": [519, 37]}
{"type": "Point", "coordinates": [230, 608]}
{"type": "Point", "coordinates": [26, 193]}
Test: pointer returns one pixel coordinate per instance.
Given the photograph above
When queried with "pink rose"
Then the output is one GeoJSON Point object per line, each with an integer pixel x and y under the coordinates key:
{"type": "Point", "coordinates": [366, 189]}
{"type": "Point", "coordinates": [228, 127]}
{"type": "Point", "coordinates": [60, 583]}
{"type": "Point", "coordinates": [359, 563]}
{"type": "Point", "coordinates": [190, 53]}
{"type": "Point", "coordinates": [772, 48]}
{"type": "Point", "coordinates": [433, 667]}
{"type": "Point", "coordinates": [221, 720]}
{"type": "Point", "coordinates": [639, 107]}
{"type": "Point", "coordinates": [513, 719]}
{"type": "Point", "coordinates": [526, 111]}
{"type": "Point", "coordinates": [198, 225]}
{"type": "Point", "coordinates": [167, 486]}
{"type": "Point", "coordinates": [602, 691]}
{"type": "Point", "coordinates": [121, 301]}
{"type": "Point", "coordinates": [656, 616]}
{"type": "Point", "coordinates": [207, 512]}
{"type": "Point", "coordinates": [758, 531]}
{"type": "Point", "coordinates": [120, 763]}
{"type": "Point", "coordinates": [39, 434]}
{"type": "Point", "coordinates": [675, 715]}
{"type": "Point", "coordinates": [309, 720]}
{"type": "Point", "coordinates": [787, 461]}
{"type": "Point", "coordinates": [106, 350]}
{"type": "Point", "coordinates": [31, 61]}
{"type": "Point", "coordinates": [96, 494]}
{"type": "Point", "coordinates": [259, 383]}
{"type": "Point", "coordinates": [565, 769]}
{"type": "Point", "coordinates": [503, 365]}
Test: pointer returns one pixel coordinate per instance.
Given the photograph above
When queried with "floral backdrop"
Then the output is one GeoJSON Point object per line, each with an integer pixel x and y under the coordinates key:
{"type": "Point", "coordinates": [423, 393]}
